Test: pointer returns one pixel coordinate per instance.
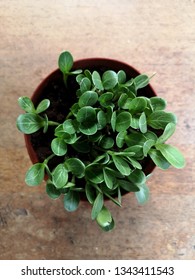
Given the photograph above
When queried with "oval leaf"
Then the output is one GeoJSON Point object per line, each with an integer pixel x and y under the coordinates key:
{"type": "Point", "coordinates": [76, 166]}
{"type": "Point", "coordinates": [157, 103]}
{"type": "Point", "coordinates": [120, 138]}
{"type": "Point", "coordinates": [172, 155]}
{"type": "Point", "coordinates": [43, 105]}
{"type": "Point", "coordinates": [65, 62]}
{"type": "Point", "coordinates": [104, 218]}
{"type": "Point", "coordinates": [26, 104]}
{"type": "Point", "coordinates": [160, 119]}
{"type": "Point", "coordinates": [109, 79]}
{"type": "Point", "coordinates": [68, 127]}
{"type": "Point", "coordinates": [86, 115]}
{"type": "Point", "coordinates": [159, 159]}
{"type": "Point", "coordinates": [141, 81]}
{"type": "Point", "coordinates": [97, 206]}
{"type": "Point", "coordinates": [88, 98]}
{"type": "Point", "coordinates": [59, 147]}
{"type": "Point", "coordinates": [29, 123]}
{"type": "Point", "coordinates": [85, 85]}
{"type": "Point", "coordinates": [94, 173]}
{"type": "Point", "coordinates": [71, 201]}
{"type": "Point", "coordinates": [60, 176]}
{"type": "Point", "coordinates": [97, 80]}
{"type": "Point", "coordinates": [143, 123]}
{"type": "Point", "coordinates": [168, 132]}
{"type": "Point", "coordinates": [52, 191]}
{"type": "Point", "coordinates": [35, 174]}
{"type": "Point", "coordinates": [137, 105]}
{"type": "Point", "coordinates": [121, 165]}
{"type": "Point", "coordinates": [123, 121]}
{"type": "Point", "coordinates": [137, 177]}
{"type": "Point", "coordinates": [143, 194]}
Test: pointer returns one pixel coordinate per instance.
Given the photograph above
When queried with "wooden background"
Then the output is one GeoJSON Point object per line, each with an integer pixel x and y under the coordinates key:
{"type": "Point", "coordinates": [153, 36]}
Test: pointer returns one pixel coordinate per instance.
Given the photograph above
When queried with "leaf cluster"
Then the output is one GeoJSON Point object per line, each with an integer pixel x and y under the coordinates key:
{"type": "Point", "coordinates": [112, 129]}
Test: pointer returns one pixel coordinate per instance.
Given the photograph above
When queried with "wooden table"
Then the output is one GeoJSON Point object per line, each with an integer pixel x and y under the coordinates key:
{"type": "Point", "coordinates": [153, 36]}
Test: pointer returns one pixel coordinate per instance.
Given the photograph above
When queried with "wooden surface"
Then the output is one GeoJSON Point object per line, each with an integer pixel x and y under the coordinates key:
{"type": "Point", "coordinates": [153, 36]}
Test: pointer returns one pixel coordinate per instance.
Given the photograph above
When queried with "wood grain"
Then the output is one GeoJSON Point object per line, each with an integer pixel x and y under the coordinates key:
{"type": "Point", "coordinates": [153, 36]}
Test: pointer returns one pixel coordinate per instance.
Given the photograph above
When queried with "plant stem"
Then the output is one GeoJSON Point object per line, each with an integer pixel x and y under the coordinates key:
{"type": "Point", "coordinates": [48, 158]}
{"type": "Point", "coordinates": [53, 123]}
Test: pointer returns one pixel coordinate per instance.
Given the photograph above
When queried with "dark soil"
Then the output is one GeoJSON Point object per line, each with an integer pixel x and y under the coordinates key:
{"type": "Point", "coordinates": [61, 99]}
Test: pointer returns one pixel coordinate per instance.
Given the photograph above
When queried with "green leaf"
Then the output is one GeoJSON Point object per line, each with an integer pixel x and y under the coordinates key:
{"type": "Point", "coordinates": [121, 77]}
{"type": "Point", "coordinates": [172, 155]}
{"type": "Point", "coordinates": [137, 105]}
{"type": "Point", "coordinates": [109, 79]}
{"type": "Point", "coordinates": [88, 74]}
{"type": "Point", "coordinates": [71, 201]}
{"type": "Point", "coordinates": [135, 139]}
{"type": "Point", "coordinates": [141, 81]}
{"type": "Point", "coordinates": [65, 62]}
{"type": "Point", "coordinates": [135, 122]}
{"type": "Point", "coordinates": [88, 130]}
{"type": "Point", "coordinates": [88, 98]}
{"type": "Point", "coordinates": [46, 123]}
{"type": "Point", "coordinates": [79, 78]}
{"type": "Point", "coordinates": [137, 149]}
{"type": "Point", "coordinates": [104, 218]}
{"type": "Point", "coordinates": [168, 132]}
{"type": "Point", "coordinates": [120, 139]}
{"type": "Point", "coordinates": [35, 174]}
{"type": "Point", "coordinates": [109, 178]}
{"type": "Point", "coordinates": [105, 99]}
{"type": "Point", "coordinates": [128, 186]}
{"type": "Point", "coordinates": [85, 85]}
{"type": "Point", "coordinates": [94, 173]}
{"type": "Point", "coordinates": [97, 206]}
{"type": "Point", "coordinates": [86, 115]}
{"type": "Point", "coordinates": [90, 192]}
{"type": "Point", "coordinates": [137, 177]}
{"type": "Point", "coordinates": [76, 166]}
{"type": "Point", "coordinates": [135, 163]}
{"type": "Point", "coordinates": [158, 103]}
{"type": "Point", "coordinates": [26, 104]}
{"type": "Point", "coordinates": [147, 146]}
{"type": "Point", "coordinates": [160, 119]}
{"type": "Point", "coordinates": [42, 106]}
{"type": "Point", "coordinates": [159, 159]}
{"type": "Point", "coordinates": [58, 146]}
{"type": "Point", "coordinates": [122, 100]}
{"type": "Point", "coordinates": [59, 131]}
{"type": "Point", "coordinates": [52, 191]}
{"type": "Point", "coordinates": [60, 176]}
{"type": "Point", "coordinates": [108, 227]}
{"type": "Point", "coordinates": [68, 126]}
{"type": "Point", "coordinates": [97, 80]}
{"type": "Point", "coordinates": [142, 195]}
{"type": "Point", "coordinates": [121, 165]}
{"type": "Point", "coordinates": [113, 121]}
{"type": "Point", "coordinates": [106, 142]}
{"type": "Point", "coordinates": [29, 123]}
{"type": "Point", "coordinates": [70, 138]}
{"type": "Point", "coordinates": [143, 123]}
{"type": "Point", "coordinates": [123, 121]}
{"type": "Point", "coordinates": [102, 120]}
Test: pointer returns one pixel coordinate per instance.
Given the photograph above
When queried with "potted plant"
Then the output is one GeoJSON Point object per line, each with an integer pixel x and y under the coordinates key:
{"type": "Point", "coordinates": [95, 130]}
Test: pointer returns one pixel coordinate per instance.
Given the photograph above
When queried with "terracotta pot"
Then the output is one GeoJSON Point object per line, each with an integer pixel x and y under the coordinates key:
{"type": "Point", "coordinates": [100, 64]}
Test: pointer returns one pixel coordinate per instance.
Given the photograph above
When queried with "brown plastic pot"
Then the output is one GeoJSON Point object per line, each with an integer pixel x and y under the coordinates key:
{"type": "Point", "coordinates": [99, 64]}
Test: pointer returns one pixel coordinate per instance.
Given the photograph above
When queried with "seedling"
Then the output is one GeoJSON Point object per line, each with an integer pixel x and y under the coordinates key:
{"type": "Point", "coordinates": [112, 129]}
